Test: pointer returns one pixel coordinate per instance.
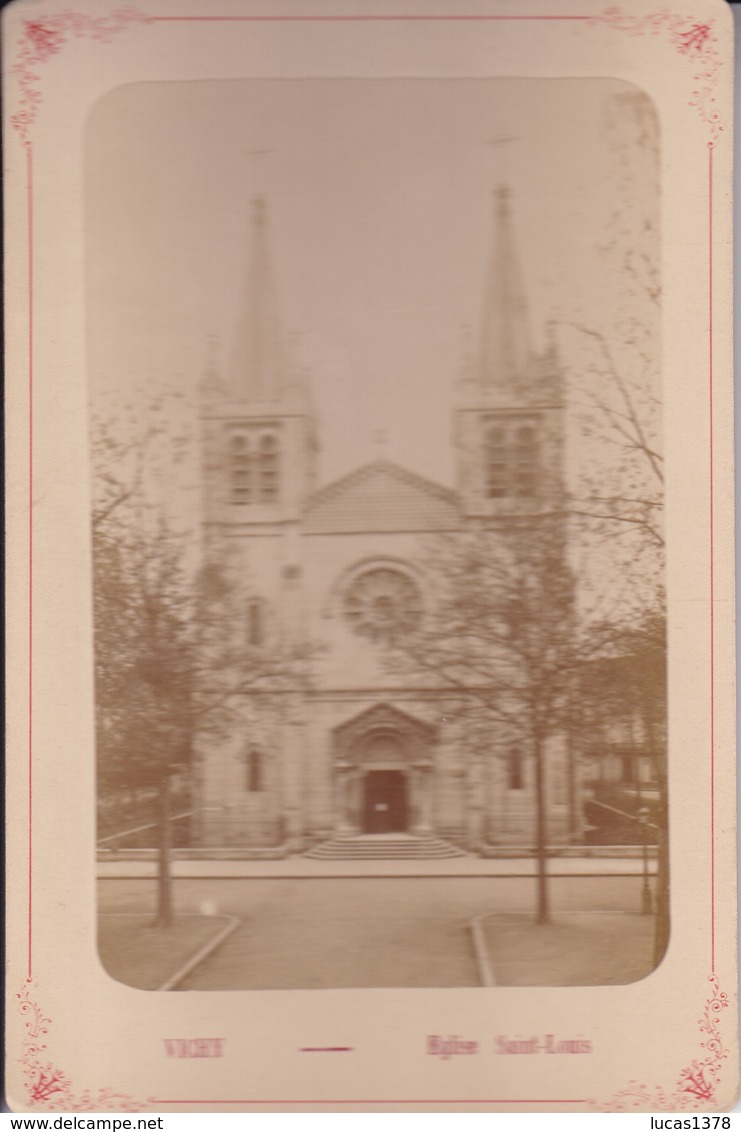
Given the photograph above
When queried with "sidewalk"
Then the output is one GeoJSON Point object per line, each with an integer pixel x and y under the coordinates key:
{"type": "Point", "coordinates": [294, 868]}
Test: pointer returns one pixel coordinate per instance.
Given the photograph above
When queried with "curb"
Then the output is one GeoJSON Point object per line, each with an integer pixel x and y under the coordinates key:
{"type": "Point", "coordinates": [481, 951]}
{"type": "Point", "coordinates": [203, 953]}
{"type": "Point", "coordinates": [134, 873]}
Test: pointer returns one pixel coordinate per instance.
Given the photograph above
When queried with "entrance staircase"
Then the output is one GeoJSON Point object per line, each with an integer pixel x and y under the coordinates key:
{"type": "Point", "coordinates": [383, 846]}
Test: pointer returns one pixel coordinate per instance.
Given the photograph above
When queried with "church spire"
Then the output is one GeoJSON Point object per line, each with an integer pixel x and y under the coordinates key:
{"type": "Point", "coordinates": [211, 386]}
{"type": "Point", "coordinates": [505, 345]}
{"type": "Point", "coordinates": [257, 363]}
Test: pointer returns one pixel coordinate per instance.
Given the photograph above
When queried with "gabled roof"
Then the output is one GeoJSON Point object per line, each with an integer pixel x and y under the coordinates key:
{"type": "Point", "coordinates": [381, 497]}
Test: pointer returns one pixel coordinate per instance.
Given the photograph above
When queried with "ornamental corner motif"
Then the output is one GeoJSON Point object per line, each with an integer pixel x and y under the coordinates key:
{"type": "Point", "coordinates": [41, 39]}
{"type": "Point", "coordinates": [697, 1083]}
{"type": "Point", "coordinates": [49, 1087]}
{"type": "Point", "coordinates": [696, 40]}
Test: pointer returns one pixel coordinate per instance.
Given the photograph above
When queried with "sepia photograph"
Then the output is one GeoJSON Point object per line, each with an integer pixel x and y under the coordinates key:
{"type": "Point", "coordinates": [375, 403]}
{"type": "Point", "coordinates": [371, 717]}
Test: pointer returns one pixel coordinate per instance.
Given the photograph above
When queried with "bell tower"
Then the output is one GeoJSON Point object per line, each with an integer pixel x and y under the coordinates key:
{"type": "Point", "coordinates": [509, 414]}
{"type": "Point", "coordinates": [259, 447]}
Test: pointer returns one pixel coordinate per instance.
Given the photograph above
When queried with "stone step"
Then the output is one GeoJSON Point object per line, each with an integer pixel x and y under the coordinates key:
{"type": "Point", "coordinates": [383, 847]}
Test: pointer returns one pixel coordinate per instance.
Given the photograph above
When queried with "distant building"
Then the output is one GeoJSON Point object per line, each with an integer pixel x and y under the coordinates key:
{"type": "Point", "coordinates": [358, 753]}
{"type": "Point", "coordinates": [622, 742]}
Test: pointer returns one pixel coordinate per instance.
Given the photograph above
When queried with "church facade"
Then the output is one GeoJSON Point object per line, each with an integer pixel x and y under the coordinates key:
{"type": "Point", "coordinates": [358, 757]}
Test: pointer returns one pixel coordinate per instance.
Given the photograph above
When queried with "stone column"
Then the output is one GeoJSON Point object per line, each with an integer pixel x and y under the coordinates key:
{"type": "Point", "coordinates": [342, 784]}
{"type": "Point", "coordinates": [427, 799]}
{"type": "Point", "coordinates": [355, 801]}
{"type": "Point", "coordinates": [490, 794]}
{"type": "Point", "coordinates": [474, 809]}
{"type": "Point", "coordinates": [413, 799]}
{"type": "Point", "coordinates": [293, 786]}
{"type": "Point", "coordinates": [423, 808]}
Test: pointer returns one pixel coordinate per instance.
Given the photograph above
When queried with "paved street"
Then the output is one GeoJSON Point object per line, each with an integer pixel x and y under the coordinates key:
{"type": "Point", "coordinates": [354, 932]}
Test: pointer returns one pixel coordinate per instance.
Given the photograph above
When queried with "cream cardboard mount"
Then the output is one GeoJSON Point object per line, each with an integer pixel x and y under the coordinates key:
{"type": "Point", "coordinates": [371, 719]}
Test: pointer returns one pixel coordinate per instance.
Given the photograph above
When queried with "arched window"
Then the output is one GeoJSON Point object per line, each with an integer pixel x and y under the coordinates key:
{"type": "Point", "coordinates": [254, 770]}
{"type": "Point", "coordinates": [495, 463]}
{"type": "Point", "coordinates": [514, 771]}
{"type": "Point", "coordinates": [510, 460]}
{"type": "Point", "coordinates": [524, 461]}
{"type": "Point", "coordinates": [240, 470]}
{"type": "Point", "coordinates": [255, 624]}
{"type": "Point", "coordinates": [267, 469]}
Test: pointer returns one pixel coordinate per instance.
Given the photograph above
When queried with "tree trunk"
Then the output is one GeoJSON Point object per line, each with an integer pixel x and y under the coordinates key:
{"type": "Point", "coordinates": [542, 915]}
{"type": "Point", "coordinates": [573, 800]}
{"type": "Point", "coordinates": [163, 918]}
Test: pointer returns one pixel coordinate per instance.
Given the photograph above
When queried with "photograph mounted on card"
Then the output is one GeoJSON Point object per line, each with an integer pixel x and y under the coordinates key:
{"type": "Point", "coordinates": [370, 453]}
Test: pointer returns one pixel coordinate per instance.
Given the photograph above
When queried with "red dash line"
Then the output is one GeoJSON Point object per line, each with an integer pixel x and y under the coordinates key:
{"type": "Point", "coordinates": [326, 1049]}
{"type": "Point", "coordinates": [29, 202]}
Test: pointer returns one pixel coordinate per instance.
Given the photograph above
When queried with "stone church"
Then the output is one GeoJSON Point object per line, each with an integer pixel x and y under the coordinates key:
{"type": "Point", "coordinates": [359, 761]}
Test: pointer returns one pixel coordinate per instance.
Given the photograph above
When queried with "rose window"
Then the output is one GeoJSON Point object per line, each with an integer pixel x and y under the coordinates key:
{"type": "Point", "coordinates": [382, 604]}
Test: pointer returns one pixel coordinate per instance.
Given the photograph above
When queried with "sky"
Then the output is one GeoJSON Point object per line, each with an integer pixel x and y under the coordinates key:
{"type": "Point", "coordinates": [380, 204]}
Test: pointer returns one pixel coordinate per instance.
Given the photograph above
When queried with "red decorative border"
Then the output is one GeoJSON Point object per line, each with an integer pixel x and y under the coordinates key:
{"type": "Point", "coordinates": [42, 39]}
{"type": "Point", "coordinates": [695, 1088]}
{"type": "Point", "coordinates": [51, 1087]}
{"type": "Point", "coordinates": [697, 42]}
{"type": "Point", "coordinates": [697, 1083]}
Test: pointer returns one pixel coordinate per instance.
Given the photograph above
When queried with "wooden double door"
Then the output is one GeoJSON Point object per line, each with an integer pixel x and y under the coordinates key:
{"type": "Point", "coordinates": [385, 802]}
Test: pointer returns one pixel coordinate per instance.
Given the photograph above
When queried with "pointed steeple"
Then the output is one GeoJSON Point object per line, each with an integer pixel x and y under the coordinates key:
{"type": "Point", "coordinates": [211, 386]}
{"type": "Point", "coordinates": [257, 362]}
{"type": "Point", "coordinates": [505, 345]}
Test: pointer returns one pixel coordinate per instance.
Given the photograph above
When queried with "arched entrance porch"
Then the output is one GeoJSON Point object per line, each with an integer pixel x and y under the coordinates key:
{"type": "Point", "coordinates": [382, 774]}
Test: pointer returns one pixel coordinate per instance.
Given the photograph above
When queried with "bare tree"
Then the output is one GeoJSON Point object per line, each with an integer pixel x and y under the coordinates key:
{"type": "Point", "coordinates": [624, 690]}
{"type": "Point", "coordinates": [614, 359]}
{"type": "Point", "coordinates": [173, 658]}
{"type": "Point", "coordinates": [501, 631]}
{"type": "Point", "coordinates": [625, 487]}
{"type": "Point", "coordinates": [618, 496]}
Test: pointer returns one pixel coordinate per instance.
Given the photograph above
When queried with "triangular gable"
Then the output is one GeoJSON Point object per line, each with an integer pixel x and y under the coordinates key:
{"type": "Point", "coordinates": [383, 717]}
{"type": "Point", "coordinates": [381, 497]}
